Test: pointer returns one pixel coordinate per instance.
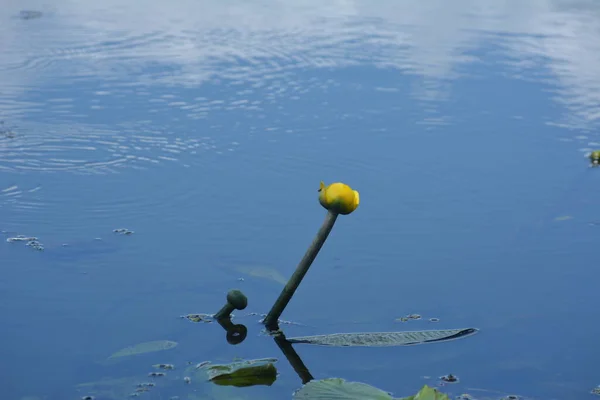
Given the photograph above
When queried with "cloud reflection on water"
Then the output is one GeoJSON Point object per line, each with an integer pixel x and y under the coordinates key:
{"type": "Point", "coordinates": [131, 46]}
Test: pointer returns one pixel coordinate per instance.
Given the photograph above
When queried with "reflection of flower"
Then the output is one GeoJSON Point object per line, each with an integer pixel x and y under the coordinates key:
{"type": "Point", "coordinates": [338, 198]}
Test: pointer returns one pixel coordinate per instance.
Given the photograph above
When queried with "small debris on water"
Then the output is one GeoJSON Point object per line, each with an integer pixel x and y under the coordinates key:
{"type": "Point", "coordinates": [156, 374]}
{"type": "Point", "coordinates": [88, 398]}
{"type": "Point", "coordinates": [449, 378]}
{"type": "Point", "coordinates": [409, 317]}
{"type": "Point", "coordinates": [510, 397]}
{"type": "Point", "coordinates": [434, 320]}
{"type": "Point", "coordinates": [241, 279]}
{"type": "Point", "coordinates": [164, 366]}
{"type": "Point", "coordinates": [146, 384]}
{"type": "Point", "coordinates": [596, 390]}
{"type": "Point", "coordinates": [34, 244]}
{"type": "Point", "coordinates": [281, 321]}
{"type": "Point", "coordinates": [274, 333]}
{"type": "Point", "coordinates": [594, 158]}
{"type": "Point", "coordinates": [31, 241]}
{"type": "Point", "coordinates": [6, 132]}
{"type": "Point", "coordinates": [465, 396]}
{"type": "Point", "coordinates": [187, 380]}
{"type": "Point", "coordinates": [21, 238]}
{"type": "Point", "coordinates": [206, 318]}
{"type": "Point", "coordinates": [123, 231]}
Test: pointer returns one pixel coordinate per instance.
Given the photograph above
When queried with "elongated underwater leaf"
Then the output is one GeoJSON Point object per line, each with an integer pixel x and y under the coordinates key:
{"type": "Point", "coordinates": [339, 389]}
{"type": "Point", "coordinates": [146, 347]}
{"type": "Point", "coordinates": [380, 339]}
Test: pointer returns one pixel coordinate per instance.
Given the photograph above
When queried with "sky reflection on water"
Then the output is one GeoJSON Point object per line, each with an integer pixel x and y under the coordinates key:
{"type": "Point", "coordinates": [206, 126]}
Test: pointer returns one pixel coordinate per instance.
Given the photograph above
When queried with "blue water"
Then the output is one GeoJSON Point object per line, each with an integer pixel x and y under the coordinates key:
{"type": "Point", "coordinates": [205, 127]}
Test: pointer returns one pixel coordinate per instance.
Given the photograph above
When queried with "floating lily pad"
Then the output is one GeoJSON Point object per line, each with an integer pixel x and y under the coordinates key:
{"type": "Point", "coordinates": [427, 393]}
{"type": "Point", "coordinates": [146, 347]}
{"type": "Point", "coordinates": [379, 339]}
{"type": "Point", "coordinates": [244, 373]}
{"type": "Point", "coordinates": [339, 389]}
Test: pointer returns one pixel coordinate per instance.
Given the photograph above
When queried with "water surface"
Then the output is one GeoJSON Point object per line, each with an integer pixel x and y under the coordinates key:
{"type": "Point", "coordinates": [205, 128]}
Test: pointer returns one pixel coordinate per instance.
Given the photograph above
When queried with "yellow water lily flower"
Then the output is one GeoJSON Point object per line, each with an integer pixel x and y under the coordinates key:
{"type": "Point", "coordinates": [338, 197]}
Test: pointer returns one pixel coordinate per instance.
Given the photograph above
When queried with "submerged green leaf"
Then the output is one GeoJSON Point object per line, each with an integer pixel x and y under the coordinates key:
{"type": "Point", "coordinates": [146, 347]}
{"type": "Point", "coordinates": [339, 389]}
{"type": "Point", "coordinates": [563, 218]}
{"type": "Point", "coordinates": [378, 339]}
{"type": "Point", "coordinates": [262, 272]}
{"type": "Point", "coordinates": [110, 388]}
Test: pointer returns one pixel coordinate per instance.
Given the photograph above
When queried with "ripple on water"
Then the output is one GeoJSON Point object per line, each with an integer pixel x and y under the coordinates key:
{"type": "Point", "coordinates": [93, 149]}
{"type": "Point", "coordinates": [267, 44]}
{"type": "Point", "coordinates": [21, 204]}
{"type": "Point", "coordinates": [253, 60]}
{"type": "Point", "coordinates": [24, 198]}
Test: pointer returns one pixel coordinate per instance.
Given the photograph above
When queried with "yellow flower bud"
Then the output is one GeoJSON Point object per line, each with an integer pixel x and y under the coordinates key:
{"type": "Point", "coordinates": [338, 198]}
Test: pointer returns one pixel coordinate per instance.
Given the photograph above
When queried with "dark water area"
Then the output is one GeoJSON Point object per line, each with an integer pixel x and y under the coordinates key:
{"type": "Point", "coordinates": [205, 128]}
